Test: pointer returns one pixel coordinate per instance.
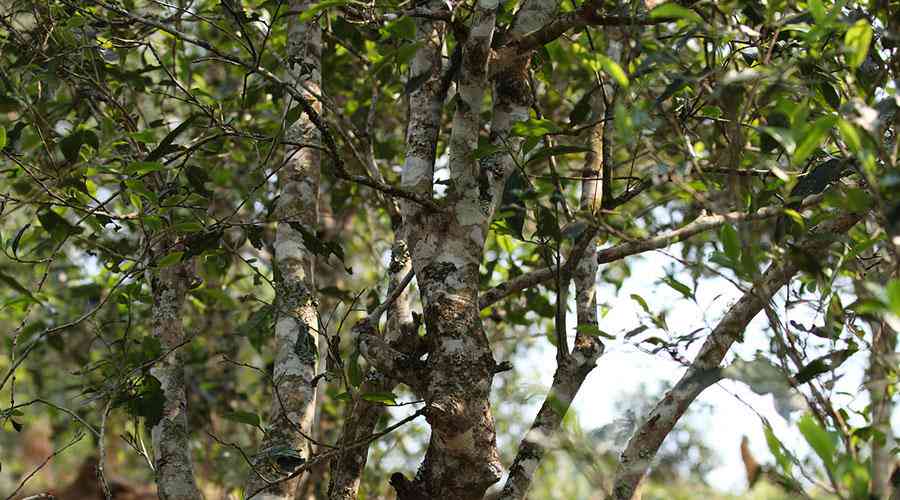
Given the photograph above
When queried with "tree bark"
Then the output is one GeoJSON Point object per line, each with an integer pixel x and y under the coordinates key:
{"type": "Point", "coordinates": [425, 103]}
{"type": "Point", "coordinates": [285, 445]}
{"type": "Point", "coordinates": [171, 448]}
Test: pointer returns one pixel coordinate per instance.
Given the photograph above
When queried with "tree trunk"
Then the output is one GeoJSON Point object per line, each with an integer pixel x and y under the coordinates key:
{"type": "Point", "coordinates": [285, 445]}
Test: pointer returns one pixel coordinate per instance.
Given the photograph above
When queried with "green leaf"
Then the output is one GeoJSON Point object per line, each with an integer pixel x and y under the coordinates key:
{"type": "Point", "coordinates": [18, 239]}
{"type": "Point", "coordinates": [679, 287]}
{"type": "Point", "coordinates": [170, 259]}
{"type": "Point", "coordinates": [485, 150]}
{"type": "Point", "coordinates": [56, 224]}
{"type": "Point", "coordinates": [71, 144]}
{"type": "Point", "coordinates": [145, 136]}
{"type": "Point", "coordinates": [824, 364]}
{"type": "Point", "coordinates": [856, 43]}
{"type": "Point", "coordinates": [143, 167]}
{"type": "Point", "coordinates": [242, 417]}
{"type": "Point", "coordinates": [593, 331]}
{"type": "Point", "coordinates": [187, 227]}
{"type": "Point", "coordinates": [892, 290]}
{"type": "Point", "coordinates": [673, 10]}
{"type": "Point", "coordinates": [2, 137]}
{"type": "Point", "coordinates": [782, 136]}
{"type": "Point", "coordinates": [165, 145]}
{"type": "Point", "coordinates": [259, 327]}
{"type": "Point", "coordinates": [813, 137]}
{"type": "Point", "coordinates": [817, 10]}
{"type": "Point", "coordinates": [197, 178]}
{"type": "Point", "coordinates": [381, 397]}
{"type": "Point", "coordinates": [782, 456]}
{"type": "Point", "coordinates": [547, 224]}
{"type": "Point", "coordinates": [354, 372]}
{"type": "Point", "coordinates": [148, 402]}
{"type": "Point", "coordinates": [820, 440]}
{"type": "Point", "coordinates": [850, 135]}
{"type": "Point", "coordinates": [582, 109]}
{"type": "Point", "coordinates": [613, 69]}
{"type": "Point", "coordinates": [15, 285]}
{"type": "Point", "coordinates": [731, 242]}
{"type": "Point", "coordinates": [643, 303]}
{"type": "Point", "coordinates": [830, 95]}
{"type": "Point", "coordinates": [535, 127]}
{"type": "Point", "coordinates": [309, 14]}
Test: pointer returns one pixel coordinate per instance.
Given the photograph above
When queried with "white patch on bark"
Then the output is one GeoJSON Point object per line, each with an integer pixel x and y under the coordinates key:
{"type": "Point", "coordinates": [453, 346]}
{"type": "Point", "coordinates": [415, 171]}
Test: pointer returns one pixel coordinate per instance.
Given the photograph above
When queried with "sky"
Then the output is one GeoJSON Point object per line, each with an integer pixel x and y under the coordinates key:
{"type": "Point", "coordinates": [623, 367]}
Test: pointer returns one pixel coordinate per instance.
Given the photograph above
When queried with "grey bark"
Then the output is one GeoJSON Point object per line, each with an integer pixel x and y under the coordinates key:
{"type": "Point", "coordinates": [572, 367]}
{"type": "Point", "coordinates": [171, 448]}
{"type": "Point", "coordinates": [285, 445]}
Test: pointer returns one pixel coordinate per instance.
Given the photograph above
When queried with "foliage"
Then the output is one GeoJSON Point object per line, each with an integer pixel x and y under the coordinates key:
{"type": "Point", "coordinates": [127, 123]}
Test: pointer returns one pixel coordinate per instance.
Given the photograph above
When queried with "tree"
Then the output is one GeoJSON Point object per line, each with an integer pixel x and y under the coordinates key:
{"type": "Point", "coordinates": [374, 194]}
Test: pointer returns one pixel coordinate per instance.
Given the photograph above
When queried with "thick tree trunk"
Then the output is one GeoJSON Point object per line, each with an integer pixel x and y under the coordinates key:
{"type": "Point", "coordinates": [285, 445]}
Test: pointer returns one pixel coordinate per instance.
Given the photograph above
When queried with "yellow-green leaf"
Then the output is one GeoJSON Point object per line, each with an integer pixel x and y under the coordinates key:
{"type": "Point", "coordinates": [850, 135]}
{"type": "Point", "coordinates": [813, 138]}
{"type": "Point", "coordinates": [856, 43]}
{"type": "Point", "coordinates": [674, 10]}
{"type": "Point", "coordinates": [613, 69]}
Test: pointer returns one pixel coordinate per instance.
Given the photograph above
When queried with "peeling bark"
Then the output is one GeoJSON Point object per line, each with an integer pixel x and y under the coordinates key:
{"type": "Point", "coordinates": [296, 328]}
{"type": "Point", "coordinates": [171, 449]}
{"type": "Point", "coordinates": [703, 371]}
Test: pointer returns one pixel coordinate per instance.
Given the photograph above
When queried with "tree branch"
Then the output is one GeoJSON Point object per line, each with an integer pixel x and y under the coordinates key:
{"type": "Point", "coordinates": [702, 372]}
{"type": "Point", "coordinates": [620, 251]}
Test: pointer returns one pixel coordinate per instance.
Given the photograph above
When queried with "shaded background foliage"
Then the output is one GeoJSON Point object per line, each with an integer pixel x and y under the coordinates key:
{"type": "Point", "coordinates": [95, 99]}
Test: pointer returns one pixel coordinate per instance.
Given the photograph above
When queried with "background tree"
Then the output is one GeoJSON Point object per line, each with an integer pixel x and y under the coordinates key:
{"type": "Point", "coordinates": [249, 246]}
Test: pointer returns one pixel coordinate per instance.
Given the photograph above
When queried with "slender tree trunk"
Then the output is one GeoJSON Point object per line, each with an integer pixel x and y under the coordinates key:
{"type": "Point", "coordinates": [572, 368]}
{"type": "Point", "coordinates": [881, 370]}
{"type": "Point", "coordinates": [425, 103]}
{"type": "Point", "coordinates": [171, 448]}
{"type": "Point", "coordinates": [285, 445]}
{"type": "Point", "coordinates": [881, 364]}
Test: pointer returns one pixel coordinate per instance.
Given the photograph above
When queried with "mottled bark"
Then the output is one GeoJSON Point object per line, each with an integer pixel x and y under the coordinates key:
{"type": "Point", "coordinates": [446, 247]}
{"type": "Point", "coordinates": [285, 445]}
{"type": "Point", "coordinates": [703, 371]}
{"type": "Point", "coordinates": [171, 449]}
{"type": "Point", "coordinates": [882, 363]}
